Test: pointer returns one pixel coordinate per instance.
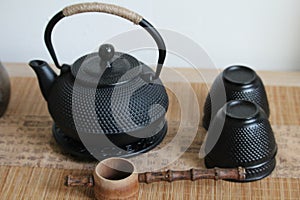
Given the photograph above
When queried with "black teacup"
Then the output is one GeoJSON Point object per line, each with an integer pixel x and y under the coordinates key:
{"type": "Point", "coordinates": [241, 135]}
{"type": "Point", "coordinates": [235, 82]}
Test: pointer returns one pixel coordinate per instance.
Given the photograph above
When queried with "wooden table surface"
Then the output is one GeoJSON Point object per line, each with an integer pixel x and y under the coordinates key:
{"type": "Point", "coordinates": [32, 166]}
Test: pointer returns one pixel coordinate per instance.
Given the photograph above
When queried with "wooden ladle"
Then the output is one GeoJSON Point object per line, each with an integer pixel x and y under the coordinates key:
{"type": "Point", "coordinates": [116, 178]}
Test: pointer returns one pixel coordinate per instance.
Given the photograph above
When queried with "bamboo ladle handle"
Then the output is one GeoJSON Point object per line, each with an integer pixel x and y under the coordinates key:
{"type": "Point", "coordinates": [238, 174]}
{"type": "Point", "coordinates": [116, 178]}
{"type": "Point", "coordinates": [193, 174]}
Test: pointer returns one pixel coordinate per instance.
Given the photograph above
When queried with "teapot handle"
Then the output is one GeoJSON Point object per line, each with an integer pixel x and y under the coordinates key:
{"type": "Point", "coordinates": [110, 9]}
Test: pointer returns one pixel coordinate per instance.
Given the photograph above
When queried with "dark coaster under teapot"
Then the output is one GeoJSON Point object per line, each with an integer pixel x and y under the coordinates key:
{"type": "Point", "coordinates": [235, 82]}
{"type": "Point", "coordinates": [241, 135]}
{"type": "Point", "coordinates": [106, 104]}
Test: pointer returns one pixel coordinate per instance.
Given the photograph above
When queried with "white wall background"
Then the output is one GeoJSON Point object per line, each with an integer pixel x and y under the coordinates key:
{"type": "Point", "coordinates": [264, 34]}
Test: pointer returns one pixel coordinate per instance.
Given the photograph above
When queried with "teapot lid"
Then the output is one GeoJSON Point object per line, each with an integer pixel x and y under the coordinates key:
{"type": "Point", "coordinates": [106, 67]}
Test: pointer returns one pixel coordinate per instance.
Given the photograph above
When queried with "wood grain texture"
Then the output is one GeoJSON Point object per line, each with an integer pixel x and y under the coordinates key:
{"type": "Point", "coordinates": [33, 167]}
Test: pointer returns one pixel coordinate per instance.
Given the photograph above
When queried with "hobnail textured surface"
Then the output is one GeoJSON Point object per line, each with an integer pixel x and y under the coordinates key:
{"type": "Point", "coordinates": [253, 91]}
{"type": "Point", "coordinates": [249, 143]}
{"type": "Point", "coordinates": [257, 95]}
{"type": "Point", "coordinates": [262, 171]}
{"type": "Point", "coordinates": [129, 108]}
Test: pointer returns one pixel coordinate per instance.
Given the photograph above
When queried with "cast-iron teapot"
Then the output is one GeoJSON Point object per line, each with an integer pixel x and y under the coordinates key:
{"type": "Point", "coordinates": [106, 103]}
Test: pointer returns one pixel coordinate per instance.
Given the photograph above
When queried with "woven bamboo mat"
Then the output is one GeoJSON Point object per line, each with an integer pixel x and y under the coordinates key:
{"type": "Point", "coordinates": [46, 183]}
{"type": "Point", "coordinates": [33, 166]}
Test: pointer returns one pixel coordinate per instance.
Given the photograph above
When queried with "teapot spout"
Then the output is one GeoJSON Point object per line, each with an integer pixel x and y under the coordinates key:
{"type": "Point", "coordinates": [45, 74]}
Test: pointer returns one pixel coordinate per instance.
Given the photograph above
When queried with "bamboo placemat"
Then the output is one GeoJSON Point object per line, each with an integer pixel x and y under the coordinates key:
{"type": "Point", "coordinates": [33, 167]}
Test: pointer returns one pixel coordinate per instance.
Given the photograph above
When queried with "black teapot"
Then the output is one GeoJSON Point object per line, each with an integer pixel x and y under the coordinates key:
{"type": "Point", "coordinates": [4, 90]}
{"type": "Point", "coordinates": [107, 103]}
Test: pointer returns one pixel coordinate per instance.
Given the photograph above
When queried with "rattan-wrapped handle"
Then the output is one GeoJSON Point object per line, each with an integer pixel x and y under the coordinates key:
{"type": "Point", "coordinates": [104, 8]}
{"type": "Point", "coordinates": [114, 10]}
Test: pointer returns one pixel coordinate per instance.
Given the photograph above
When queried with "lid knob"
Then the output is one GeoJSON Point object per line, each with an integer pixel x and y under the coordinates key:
{"type": "Point", "coordinates": [106, 53]}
